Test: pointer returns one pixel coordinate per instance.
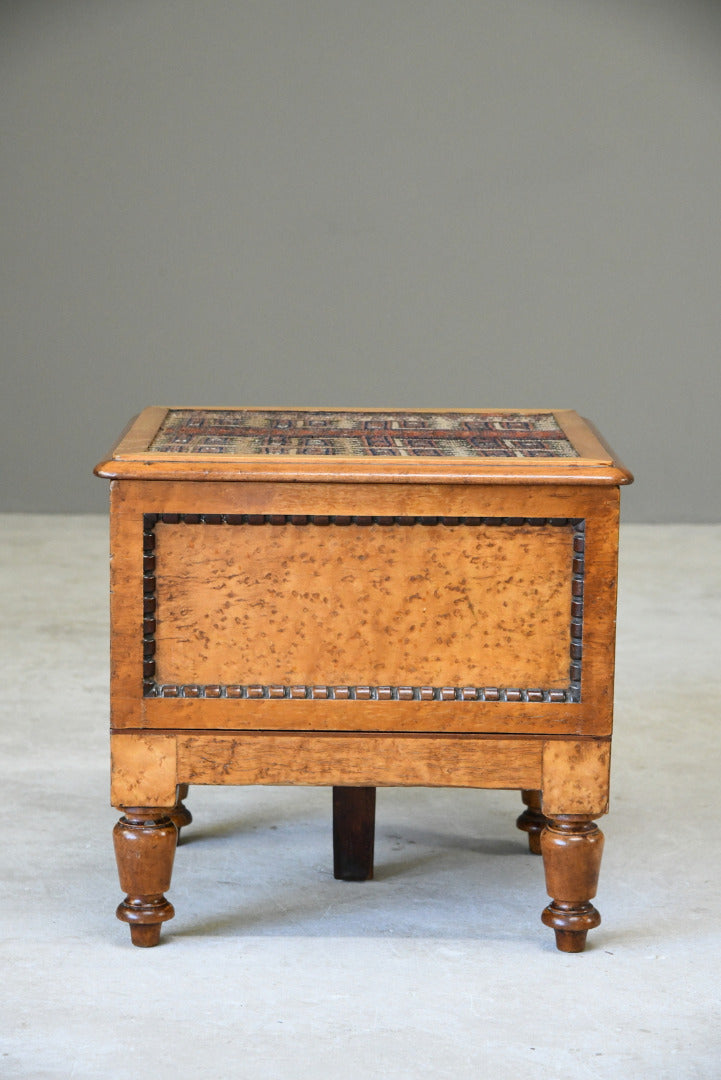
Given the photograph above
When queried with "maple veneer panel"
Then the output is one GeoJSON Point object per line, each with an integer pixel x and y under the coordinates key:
{"type": "Point", "coordinates": [363, 604]}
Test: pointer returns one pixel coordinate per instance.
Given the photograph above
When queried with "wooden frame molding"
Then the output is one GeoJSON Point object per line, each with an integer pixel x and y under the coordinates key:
{"type": "Point", "coordinates": [573, 774]}
{"type": "Point", "coordinates": [258, 691]}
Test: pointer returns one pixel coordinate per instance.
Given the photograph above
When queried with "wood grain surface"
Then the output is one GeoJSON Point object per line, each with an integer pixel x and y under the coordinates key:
{"type": "Point", "coordinates": [132, 500]}
{"type": "Point", "coordinates": [572, 773]}
{"type": "Point", "coordinates": [360, 760]}
{"type": "Point", "coordinates": [363, 604]}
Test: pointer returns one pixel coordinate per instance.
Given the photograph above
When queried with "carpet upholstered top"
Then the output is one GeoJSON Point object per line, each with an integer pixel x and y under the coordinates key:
{"type": "Point", "coordinates": [354, 433]}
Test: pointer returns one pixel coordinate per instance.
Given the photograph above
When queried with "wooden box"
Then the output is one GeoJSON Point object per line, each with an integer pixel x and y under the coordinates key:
{"type": "Point", "coordinates": [363, 598]}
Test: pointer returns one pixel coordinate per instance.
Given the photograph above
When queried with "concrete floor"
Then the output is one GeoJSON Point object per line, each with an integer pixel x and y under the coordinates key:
{"type": "Point", "coordinates": [438, 968]}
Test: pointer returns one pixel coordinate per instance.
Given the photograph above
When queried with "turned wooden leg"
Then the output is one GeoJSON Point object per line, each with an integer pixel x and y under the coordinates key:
{"type": "Point", "coordinates": [532, 820]}
{"type": "Point", "coordinates": [180, 815]}
{"type": "Point", "coordinates": [354, 821]}
{"type": "Point", "coordinates": [145, 842]}
{"type": "Point", "coordinates": [572, 849]}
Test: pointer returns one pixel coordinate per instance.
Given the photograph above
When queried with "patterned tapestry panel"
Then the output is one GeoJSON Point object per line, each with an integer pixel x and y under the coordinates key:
{"type": "Point", "coordinates": [319, 433]}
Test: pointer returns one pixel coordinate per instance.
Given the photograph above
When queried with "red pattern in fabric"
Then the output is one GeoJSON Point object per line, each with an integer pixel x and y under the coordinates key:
{"type": "Point", "coordinates": [350, 434]}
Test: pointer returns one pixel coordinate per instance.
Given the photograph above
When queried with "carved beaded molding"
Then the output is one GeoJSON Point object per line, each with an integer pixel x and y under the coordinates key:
{"type": "Point", "coordinates": [235, 691]}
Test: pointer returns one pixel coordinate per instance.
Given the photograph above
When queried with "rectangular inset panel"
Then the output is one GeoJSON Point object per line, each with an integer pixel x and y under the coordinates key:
{"type": "Point", "coordinates": [293, 603]}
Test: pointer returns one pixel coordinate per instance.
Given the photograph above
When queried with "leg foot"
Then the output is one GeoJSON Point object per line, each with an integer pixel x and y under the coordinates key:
{"type": "Point", "coordinates": [571, 924]}
{"type": "Point", "coordinates": [354, 819]}
{"type": "Point", "coordinates": [572, 848]}
{"type": "Point", "coordinates": [145, 842]}
{"type": "Point", "coordinates": [532, 820]}
{"type": "Point", "coordinates": [145, 937]}
{"type": "Point", "coordinates": [180, 815]}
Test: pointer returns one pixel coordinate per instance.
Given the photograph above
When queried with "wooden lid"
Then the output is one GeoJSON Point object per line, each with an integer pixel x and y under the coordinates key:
{"type": "Point", "coordinates": [399, 445]}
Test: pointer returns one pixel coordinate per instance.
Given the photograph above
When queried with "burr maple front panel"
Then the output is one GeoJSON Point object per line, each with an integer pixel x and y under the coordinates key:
{"type": "Point", "coordinates": [373, 607]}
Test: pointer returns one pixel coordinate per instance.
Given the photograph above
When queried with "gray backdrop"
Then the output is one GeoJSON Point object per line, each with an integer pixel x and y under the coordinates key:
{"type": "Point", "coordinates": [335, 202]}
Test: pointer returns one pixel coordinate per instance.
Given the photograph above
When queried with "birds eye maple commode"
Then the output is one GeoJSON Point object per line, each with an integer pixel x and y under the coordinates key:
{"type": "Point", "coordinates": [363, 598]}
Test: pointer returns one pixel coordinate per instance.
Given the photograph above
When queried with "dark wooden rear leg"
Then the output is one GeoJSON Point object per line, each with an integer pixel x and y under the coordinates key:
{"type": "Point", "coordinates": [572, 847]}
{"type": "Point", "coordinates": [354, 822]}
{"type": "Point", "coordinates": [145, 840]}
{"type": "Point", "coordinates": [180, 815]}
{"type": "Point", "coordinates": [532, 820]}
